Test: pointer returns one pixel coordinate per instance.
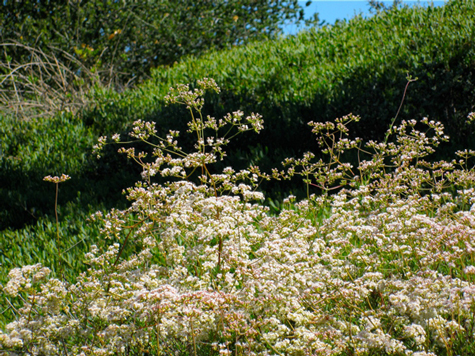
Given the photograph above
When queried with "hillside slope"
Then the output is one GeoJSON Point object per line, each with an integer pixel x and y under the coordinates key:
{"type": "Point", "coordinates": [358, 66]}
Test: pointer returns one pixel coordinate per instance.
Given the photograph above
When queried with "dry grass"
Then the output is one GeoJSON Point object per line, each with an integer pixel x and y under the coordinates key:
{"type": "Point", "coordinates": [52, 81]}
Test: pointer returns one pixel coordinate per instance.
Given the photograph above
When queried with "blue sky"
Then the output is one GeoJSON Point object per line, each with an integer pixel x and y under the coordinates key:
{"type": "Point", "coordinates": [330, 10]}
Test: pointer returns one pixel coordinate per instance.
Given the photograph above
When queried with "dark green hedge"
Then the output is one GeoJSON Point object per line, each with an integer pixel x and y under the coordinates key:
{"type": "Point", "coordinates": [359, 66]}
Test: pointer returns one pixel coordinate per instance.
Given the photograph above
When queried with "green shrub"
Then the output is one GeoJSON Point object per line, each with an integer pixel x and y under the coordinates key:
{"type": "Point", "coordinates": [122, 41]}
{"type": "Point", "coordinates": [358, 66]}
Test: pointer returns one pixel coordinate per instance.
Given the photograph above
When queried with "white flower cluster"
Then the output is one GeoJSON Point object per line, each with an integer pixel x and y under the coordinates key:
{"type": "Point", "coordinates": [376, 269]}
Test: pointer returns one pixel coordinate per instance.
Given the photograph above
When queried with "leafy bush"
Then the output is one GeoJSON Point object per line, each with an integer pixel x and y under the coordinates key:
{"type": "Point", "coordinates": [384, 266]}
{"type": "Point", "coordinates": [358, 66]}
{"type": "Point", "coordinates": [123, 40]}
{"type": "Point", "coordinates": [54, 53]}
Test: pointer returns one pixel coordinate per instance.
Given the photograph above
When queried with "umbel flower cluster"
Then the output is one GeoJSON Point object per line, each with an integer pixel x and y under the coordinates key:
{"type": "Point", "coordinates": [383, 265]}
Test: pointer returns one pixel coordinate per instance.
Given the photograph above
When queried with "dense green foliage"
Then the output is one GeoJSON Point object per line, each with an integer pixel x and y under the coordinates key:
{"type": "Point", "coordinates": [125, 39]}
{"type": "Point", "coordinates": [358, 66]}
{"type": "Point", "coordinates": [38, 243]}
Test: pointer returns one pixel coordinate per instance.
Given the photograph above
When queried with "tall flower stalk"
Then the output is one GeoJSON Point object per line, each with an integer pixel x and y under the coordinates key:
{"type": "Point", "coordinates": [56, 180]}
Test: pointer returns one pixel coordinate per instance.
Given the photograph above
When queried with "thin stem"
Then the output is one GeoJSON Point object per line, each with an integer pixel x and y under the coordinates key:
{"type": "Point", "coordinates": [193, 336]}
{"type": "Point", "coordinates": [409, 81]}
{"type": "Point", "coordinates": [158, 339]}
{"type": "Point", "coordinates": [126, 239]}
{"type": "Point", "coordinates": [56, 214]}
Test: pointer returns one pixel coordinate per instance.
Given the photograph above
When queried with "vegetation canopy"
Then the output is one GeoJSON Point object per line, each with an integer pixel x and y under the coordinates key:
{"type": "Point", "coordinates": [117, 43]}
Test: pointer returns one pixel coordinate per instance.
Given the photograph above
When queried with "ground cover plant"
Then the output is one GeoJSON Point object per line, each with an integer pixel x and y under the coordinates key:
{"type": "Point", "coordinates": [380, 263]}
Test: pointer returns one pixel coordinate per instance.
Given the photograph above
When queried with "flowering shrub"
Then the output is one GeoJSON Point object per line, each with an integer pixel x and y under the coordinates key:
{"type": "Point", "coordinates": [382, 266]}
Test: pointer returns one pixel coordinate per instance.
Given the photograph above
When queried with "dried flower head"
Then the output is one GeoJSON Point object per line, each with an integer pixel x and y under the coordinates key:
{"type": "Point", "coordinates": [56, 179]}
